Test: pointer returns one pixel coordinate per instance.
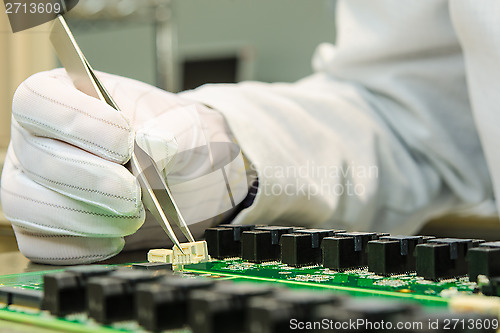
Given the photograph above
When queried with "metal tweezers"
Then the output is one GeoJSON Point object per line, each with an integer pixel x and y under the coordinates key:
{"type": "Point", "coordinates": [156, 195]}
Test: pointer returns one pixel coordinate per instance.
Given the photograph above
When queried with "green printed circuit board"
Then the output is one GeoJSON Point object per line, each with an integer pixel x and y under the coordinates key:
{"type": "Point", "coordinates": [248, 276]}
{"type": "Point", "coordinates": [359, 282]}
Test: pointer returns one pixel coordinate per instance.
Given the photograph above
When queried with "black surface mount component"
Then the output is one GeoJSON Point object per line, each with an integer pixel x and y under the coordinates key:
{"type": "Point", "coordinates": [392, 254]}
{"type": "Point", "coordinates": [65, 292]}
{"type": "Point", "coordinates": [442, 258]}
{"type": "Point", "coordinates": [163, 305]}
{"type": "Point", "coordinates": [223, 310]}
{"type": "Point", "coordinates": [273, 314]}
{"type": "Point", "coordinates": [484, 260]}
{"type": "Point", "coordinates": [303, 247]}
{"type": "Point", "coordinates": [225, 240]}
{"type": "Point", "coordinates": [112, 298]}
{"type": "Point", "coordinates": [262, 244]}
{"type": "Point", "coordinates": [347, 250]}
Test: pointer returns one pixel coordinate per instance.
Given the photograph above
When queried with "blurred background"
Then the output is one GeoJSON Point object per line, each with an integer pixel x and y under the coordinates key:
{"type": "Point", "coordinates": [181, 44]}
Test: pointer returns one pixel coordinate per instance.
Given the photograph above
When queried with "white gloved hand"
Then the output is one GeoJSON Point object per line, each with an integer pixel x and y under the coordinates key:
{"type": "Point", "coordinates": [64, 187]}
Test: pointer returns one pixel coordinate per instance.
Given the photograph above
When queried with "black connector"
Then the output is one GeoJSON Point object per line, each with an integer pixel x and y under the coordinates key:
{"type": "Point", "coordinates": [222, 310]}
{"type": "Point", "coordinates": [347, 250]}
{"type": "Point", "coordinates": [303, 247]}
{"type": "Point", "coordinates": [275, 314]}
{"type": "Point", "coordinates": [163, 305]}
{"type": "Point", "coordinates": [225, 240]}
{"type": "Point", "coordinates": [262, 244]}
{"type": "Point", "coordinates": [112, 298]}
{"type": "Point", "coordinates": [484, 260]}
{"type": "Point", "coordinates": [392, 254]}
{"type": "Point", "coordinates": [257, 246]}
{"type": "Point", "coordinates": [65, 292]}
{"type": "Point", "coordinates": [442, 258]}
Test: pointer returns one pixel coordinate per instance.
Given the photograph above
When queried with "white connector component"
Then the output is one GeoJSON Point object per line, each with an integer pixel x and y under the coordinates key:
{"type": "Point", "coordinates": [194, 253]}
{"type": "Point", "coordinates": [161, 255]}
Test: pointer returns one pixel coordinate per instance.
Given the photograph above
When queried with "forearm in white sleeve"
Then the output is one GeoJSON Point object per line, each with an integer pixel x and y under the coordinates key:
{"type": "Point", "coordinates": [381, 138]}
{"type": "Point", "coordinates": [324, 158]}
{"type": "Point", "coordinates": [477, 26]}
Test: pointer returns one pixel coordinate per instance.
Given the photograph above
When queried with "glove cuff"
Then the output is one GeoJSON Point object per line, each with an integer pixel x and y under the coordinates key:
{"type": "Point", "coordinates": [65, 249]}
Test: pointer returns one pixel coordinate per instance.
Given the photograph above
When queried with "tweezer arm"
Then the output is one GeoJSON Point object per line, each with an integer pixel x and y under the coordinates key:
{"type": "Point", "coordinates": [150, 201]}
{"type": "Point", "coordinates": [143, 165]}
{"type": "Point", "coordinates": [155, 191]}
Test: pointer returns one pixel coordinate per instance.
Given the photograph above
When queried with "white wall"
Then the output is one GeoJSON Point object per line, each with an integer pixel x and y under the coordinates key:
{"type": "Point", "coordinates": [284, 34]}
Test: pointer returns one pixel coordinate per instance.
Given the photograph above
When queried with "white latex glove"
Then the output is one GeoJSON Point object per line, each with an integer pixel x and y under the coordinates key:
{"type": "Point", "coordinates": [64, 185]}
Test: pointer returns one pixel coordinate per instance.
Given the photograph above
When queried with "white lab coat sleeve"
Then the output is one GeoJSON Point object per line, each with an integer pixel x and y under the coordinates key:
{"type": "Point", "coordinates": [477, 24]}
{"type": "Point", "coordinates": [380, 138]}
